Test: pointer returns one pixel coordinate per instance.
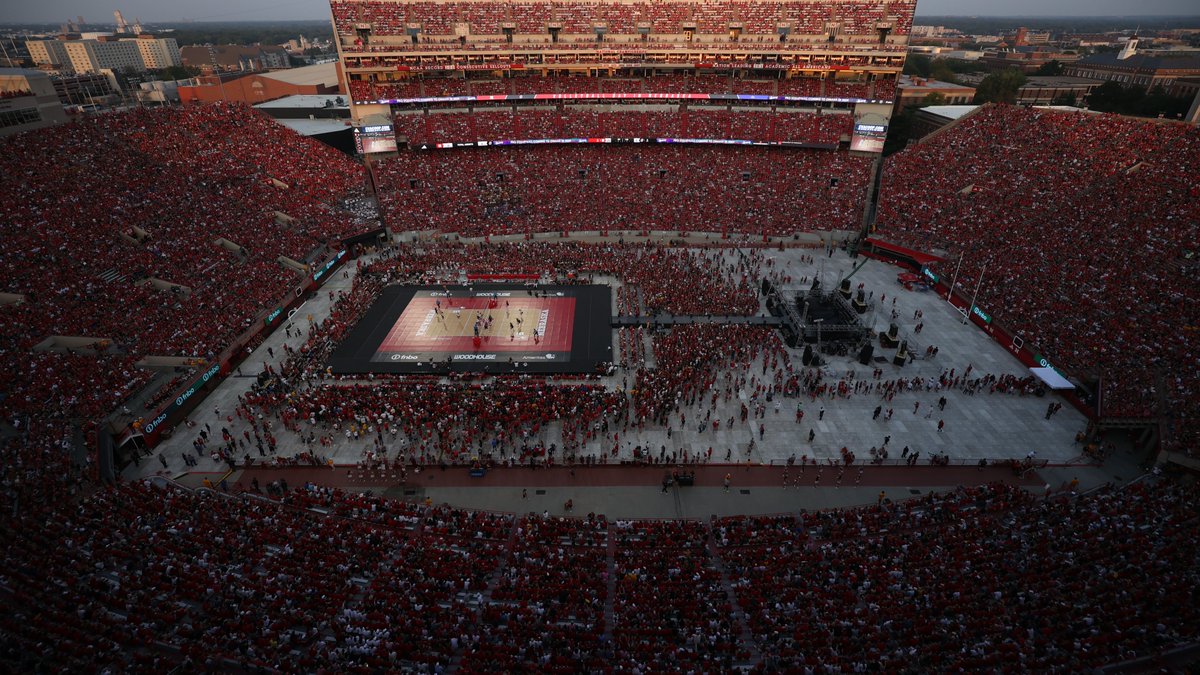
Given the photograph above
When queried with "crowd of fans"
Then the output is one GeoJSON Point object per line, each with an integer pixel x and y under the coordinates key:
{"type": "Point", "coordinates": [424, 421]}
{"type": "Point", "coordinates": [140, 578]}
{"type": "Point", "coordinates": [856, 17]}
{"type": "Point", "coordinates": [151, 232]}
{"type": "Point", "coordinates": [672, 610]}
{"type": "Point", "coordinates": [492, 191]}
{"type": "Point", "coordinates": [1079, 231]}
{"type": "Point", "coordinates": [851, 51]}
{"type": "Point", "coordinates": [583, 123]}
{"type": "Point", "coordinates": [546, 609]}
{"type": "Point", "coordinates": [711, 375]}
{"type": "Point", "coordinates": [882, 87]}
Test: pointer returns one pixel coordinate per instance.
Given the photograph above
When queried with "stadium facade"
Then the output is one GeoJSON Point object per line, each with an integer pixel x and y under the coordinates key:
{"type": "Point", "coordinates": [844, 55]}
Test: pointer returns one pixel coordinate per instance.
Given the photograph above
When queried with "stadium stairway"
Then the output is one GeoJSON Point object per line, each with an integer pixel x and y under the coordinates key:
{"type": "Point", "coordinates": [113, 275]}
{"type": "Point", "coordinates": [610, 558]}
{"type": "Point", "coordinates": [485, 597]}
{"type": "Point", "coordinates": [747, 644]}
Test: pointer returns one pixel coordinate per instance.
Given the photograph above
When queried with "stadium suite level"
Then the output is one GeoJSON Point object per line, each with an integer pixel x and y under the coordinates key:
{"type": "Point", "coordinates": [477, 52]}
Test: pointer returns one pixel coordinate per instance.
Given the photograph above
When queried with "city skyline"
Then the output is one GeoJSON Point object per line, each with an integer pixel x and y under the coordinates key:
{"type": "Point", "coordinates": [57, 11]}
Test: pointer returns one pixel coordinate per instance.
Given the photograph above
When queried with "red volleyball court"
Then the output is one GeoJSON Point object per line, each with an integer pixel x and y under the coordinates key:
{"type": "Point", "coordinates": [432, 324]}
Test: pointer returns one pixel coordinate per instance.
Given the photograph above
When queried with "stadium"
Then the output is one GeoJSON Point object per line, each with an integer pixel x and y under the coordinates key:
{"type": "Point", "coordinates": [618, 347]}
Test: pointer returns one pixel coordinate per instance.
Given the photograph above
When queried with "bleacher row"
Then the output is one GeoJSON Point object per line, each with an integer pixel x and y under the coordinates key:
{"type": "Point", "coordinates": [492, 191]}
{"type": "Point", "coordinates": [882, 88]}
{"type": "Point", "coordinates": [1079, 225]}
{"type": "Point", "coordinates": [138, 578]}
{"type": "Point", "coordinates": [846, 52]}
{"type": "Point", "coordinates": [101, 206]}
{"type": "Point", "coordinates": [855, 17]}
{"type": "Point", "coordinates": [695, 123]}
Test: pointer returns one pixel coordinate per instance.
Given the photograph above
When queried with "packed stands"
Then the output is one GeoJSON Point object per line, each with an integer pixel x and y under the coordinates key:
{"type": "Point", "coordinates": [856, 17]}
{"type": "Point", "coordinates": [138, 578]}
{"type": "Point", "coordinates": [152, 232]}
{"type": "Point", "coordinates": [881, 585]}
{"type": "Point", "coordinates": [660, 187]}
{"type": "Point", "coordinates": [584, 123]}
{"type": "Point", "coordinates": [679, 83]}
{"type": "Point", "coordinates": [671, 610]}
{"type": "Point", "coordinates": [547, 607]}
{"type": "Point", "coordinates": [1078, 225]}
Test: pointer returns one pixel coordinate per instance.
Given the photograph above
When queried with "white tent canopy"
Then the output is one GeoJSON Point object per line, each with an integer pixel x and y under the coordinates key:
{"type": "Point", "coordinates": [1051, 377]}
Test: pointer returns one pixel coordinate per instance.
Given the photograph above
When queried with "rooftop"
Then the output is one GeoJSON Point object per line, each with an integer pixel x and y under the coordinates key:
{"type": "Point", "coordinates": [915, 83]}
{"type": "Point", "coordinates": [307, 127]}
{"type": "Point", "coordinates": [950, 112]}
{"type": "Point", "coordinates": [321, 74]}
{"type": "Point", "coordinates": [304, 101]}
{"type": "Point", "coordinates": [1058, 81]}
{"type": "Point", "coordinates": [1144, 61]}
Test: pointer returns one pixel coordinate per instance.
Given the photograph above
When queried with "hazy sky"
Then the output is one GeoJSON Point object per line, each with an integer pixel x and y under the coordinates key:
{"type": "Point", "coordinates": [100, 11]}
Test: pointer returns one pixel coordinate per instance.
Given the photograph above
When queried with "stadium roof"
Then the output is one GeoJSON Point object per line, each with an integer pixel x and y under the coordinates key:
{"type": "Point", "coordinates": [950, 112]}
{"type": "Point", "coordinates": [1067, 108]}
{"type": "Point", "coordinates": [304, 101]}
{"type": "Point", "coordinates": [320, 74]}
{"type": "Point", "coordinates": [307, 127]}
{"type": "Point", "coordinates": [918, 83]}
{"type": "Point", "coordinates": [1058, 81]}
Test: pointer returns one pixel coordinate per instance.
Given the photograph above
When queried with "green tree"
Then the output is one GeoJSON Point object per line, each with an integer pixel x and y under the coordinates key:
{"type": "Point", "coordinates": [1107, 97]}
{"type": "Point", "coordinates": [960, 66]}
{"type": "Point", "coordinates": [899, 132]}
{"type": "Point", "coordinates": [936, 98]}
{"type": "Point", "coordinates": [917, 64]}
{"type": "Point", "coordinates": [1134, 100]}
{"type": "Point", "coordinates": [178, 72]}
{"type": "Point", "coordinates": [1157, 102]}
{"type": "Point", "coordinates": [940, 69]}
{"type": "Point", "coordinates": [1049, 68]}
{"type": "Point", "coordinates": [1000, 87]}
{"type": "Point", "coordinates": [1064, 99]}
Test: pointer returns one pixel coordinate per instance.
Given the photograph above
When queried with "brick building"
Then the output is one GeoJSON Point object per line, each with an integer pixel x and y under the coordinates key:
{"type": "Point", "coordinates": [255, 88]}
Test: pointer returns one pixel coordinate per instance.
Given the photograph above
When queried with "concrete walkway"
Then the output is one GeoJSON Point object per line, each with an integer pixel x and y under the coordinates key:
{"type": "Point", "coordinates": [989, 426]}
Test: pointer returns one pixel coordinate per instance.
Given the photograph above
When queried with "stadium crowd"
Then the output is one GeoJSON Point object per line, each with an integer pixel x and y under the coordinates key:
{"type": "Point", "coordinates": [505, 421]}
{"type": "Point", "coordinates": [493, 191]}
{"type": "Point", "coordinates": [1080, 231]}
{"type": "Point", "coordinates": [694, 376]}
{"type": "Point", "coordinates": [150, 233]}
{"type": "Point", "coordinates": [697, 122]}
{"type": "Point", "coordinates": [142, 578]}
{"type": "Point", "coordinates": [881, 87]}
{"type": "Point", "coordinates": [857, 17]}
